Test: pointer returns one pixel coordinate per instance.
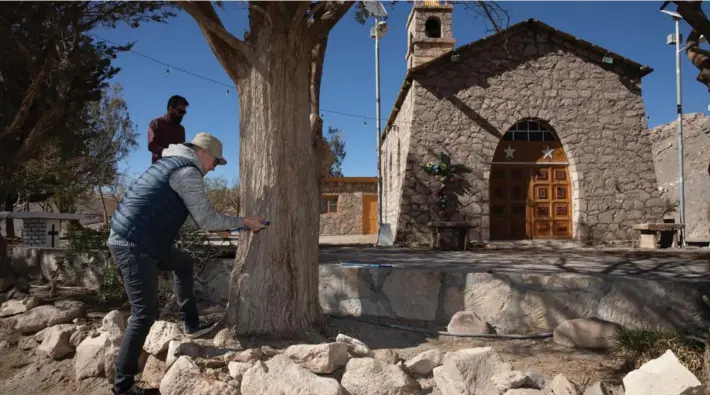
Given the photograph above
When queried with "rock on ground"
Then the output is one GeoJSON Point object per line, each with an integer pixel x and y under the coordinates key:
{"type": "Point", "coordinates": [226, 337]}
{"type": "Point", "coordinates": [90, 357]}
{"type": "Point", "coordinates": [368, 376]}
{"type": "Point", "coordinates": [160, 335]}
{"type": "Point", "coordinates": [55, 341]}
{"type": "Point", "coordinates": [193, 348]}
{"type": "Point", "coordinates": [153, 372]}
{"type": "Point", "coordinates": [184, 377]}
{"type": "Point", "coordinates": [280, 375]}
{"type": "Point", "coordinates": [523, 391]}
{"type": "Point", "coordinates": [355, 347]}
{"type": "Point", "coordinates": [589, 333]}
{"type": "Point", "coordinates": [387, 355]}
{"type": "Point", "coordinates": [13, 307]}
{"type": "Point", "coordinates": [41, 317]}
{"type": "Point", "coordinates": [115, 325]}
{"type": "Point", "coordinates": [511, 379]}
{"type": "Point", "coordinates": [469, 372]}
{"type": "Point", "coordinates": [560, 385]}
{"type": "Point", "coordinates": [468, 322]}
{"type": "Point", "coordinates": [663, 375]}
{"type": "Point", "coordinates": [319, 358]}
{"type": "Point", "coordinates": [423, 363]}
{"type": "Point", "coordinates": [237, 369]}
{"type": "Point", "coordinates": [600, 388]}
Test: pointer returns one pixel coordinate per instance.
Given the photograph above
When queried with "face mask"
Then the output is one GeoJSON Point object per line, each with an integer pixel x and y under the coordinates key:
{"type": "Point", "coordinates": [176, 118]}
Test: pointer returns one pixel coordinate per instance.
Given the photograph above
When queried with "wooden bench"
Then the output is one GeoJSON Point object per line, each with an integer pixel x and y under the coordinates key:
{"type": "Point", "coordinates": [650, 233]}
{"type": "Point", "coordinates": [459, 228]}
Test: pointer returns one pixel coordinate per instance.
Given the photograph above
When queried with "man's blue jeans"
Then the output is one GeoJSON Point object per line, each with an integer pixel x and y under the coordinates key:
{"type": "Point", "coordinates": [140, 278]}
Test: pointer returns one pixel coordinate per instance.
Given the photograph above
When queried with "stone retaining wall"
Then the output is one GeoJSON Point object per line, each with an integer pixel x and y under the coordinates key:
{"type": "Point", "coordinates": [510, 302]}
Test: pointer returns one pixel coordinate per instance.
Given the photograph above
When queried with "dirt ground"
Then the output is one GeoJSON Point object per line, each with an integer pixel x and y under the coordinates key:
{"type": "Point", "coordinates": [22, 372]}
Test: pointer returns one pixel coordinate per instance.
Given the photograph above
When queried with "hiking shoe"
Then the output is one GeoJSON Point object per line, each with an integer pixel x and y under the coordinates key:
{"type": "Point", "coordinates": [200, 329]}
{"type": "Point", "coordinates": [135, 390]}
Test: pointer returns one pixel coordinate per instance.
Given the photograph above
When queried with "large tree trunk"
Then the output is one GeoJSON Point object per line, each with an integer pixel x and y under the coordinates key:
{"type": "Point", "coordinates": [103, 205]}
{"type": "Point", "coordinates": [9, 222]}
{"type": "Point", "coordinates": [274, 283]}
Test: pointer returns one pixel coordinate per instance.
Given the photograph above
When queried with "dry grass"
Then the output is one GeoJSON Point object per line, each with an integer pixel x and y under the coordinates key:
{"type": "Point", "coordinates": [638, 346]}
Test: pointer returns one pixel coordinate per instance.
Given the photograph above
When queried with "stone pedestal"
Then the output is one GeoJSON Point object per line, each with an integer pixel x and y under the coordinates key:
{"type": "Point", "coordinates": [449, 235]}
{"type": "Point", "coordinates": [650, 233]}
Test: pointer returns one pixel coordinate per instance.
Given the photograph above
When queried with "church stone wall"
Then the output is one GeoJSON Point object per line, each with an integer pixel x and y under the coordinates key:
{"type": "Point", "coordinates": [463, 108]}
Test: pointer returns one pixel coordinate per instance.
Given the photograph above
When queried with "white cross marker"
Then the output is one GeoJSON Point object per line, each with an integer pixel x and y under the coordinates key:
{"type": "Point", "coordinates": [509, 152]}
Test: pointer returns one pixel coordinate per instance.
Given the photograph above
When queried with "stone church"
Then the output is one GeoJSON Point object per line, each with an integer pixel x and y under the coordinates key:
{"type": "Point", "coordinates": [549, 130]}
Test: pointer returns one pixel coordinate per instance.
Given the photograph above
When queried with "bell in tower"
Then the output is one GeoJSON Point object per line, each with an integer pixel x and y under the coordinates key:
{"type": "Point", "coordinates": [429, 31]}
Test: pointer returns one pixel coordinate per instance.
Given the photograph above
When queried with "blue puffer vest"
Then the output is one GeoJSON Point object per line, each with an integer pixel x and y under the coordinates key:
{"type": "Point", "coordinates": [151, 214]}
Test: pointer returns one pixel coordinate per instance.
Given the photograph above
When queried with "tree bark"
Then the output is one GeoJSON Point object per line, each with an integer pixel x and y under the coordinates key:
{"type": "Point", "coordinates": [9, 222]}
{"type": "Point", "coordinates": [103, 205]}
{"type": "Point", "coordinates": [693, 14]}
{"type": "Point", "coordinates": [274, 282]}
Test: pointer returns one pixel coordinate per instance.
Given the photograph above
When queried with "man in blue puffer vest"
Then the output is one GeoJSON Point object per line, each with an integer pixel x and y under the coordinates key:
{"type": "Point", "coordinates": [144, 227]}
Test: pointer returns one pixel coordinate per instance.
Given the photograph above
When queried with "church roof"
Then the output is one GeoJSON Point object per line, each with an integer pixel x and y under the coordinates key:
{"type": "Point", "coordinates": [622, 65]}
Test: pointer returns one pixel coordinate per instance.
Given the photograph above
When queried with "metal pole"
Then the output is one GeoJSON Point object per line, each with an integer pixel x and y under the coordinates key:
{"type": "Point", "coordinates": [379, 132]}
{"type": "Point", "coordinates": [679, 109]}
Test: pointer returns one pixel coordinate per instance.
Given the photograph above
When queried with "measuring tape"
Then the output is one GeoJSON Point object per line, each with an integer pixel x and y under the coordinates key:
{"type": "Point", "coordinates": [243, 228]}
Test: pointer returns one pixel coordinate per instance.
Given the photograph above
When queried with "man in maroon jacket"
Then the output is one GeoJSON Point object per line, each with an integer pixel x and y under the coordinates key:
{"type": "Point", "coordinates": [167, 130]}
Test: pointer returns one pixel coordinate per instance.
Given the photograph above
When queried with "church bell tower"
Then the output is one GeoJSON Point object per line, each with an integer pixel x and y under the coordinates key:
{"type": "Point", "coordinates": [429, 31]}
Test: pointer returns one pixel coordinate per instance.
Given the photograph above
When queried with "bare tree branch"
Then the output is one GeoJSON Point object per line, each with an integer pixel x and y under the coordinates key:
{"type": "Point", "coordinates": [692, 13]}
{"type": "Point", "coordinates": [205, 15]}
{"type": "Point", "coordinates": [332, 13]}
{"type": "Point", "coordinates": [228, 49]}
{"type": "Point", "coordinates": [491, 11]}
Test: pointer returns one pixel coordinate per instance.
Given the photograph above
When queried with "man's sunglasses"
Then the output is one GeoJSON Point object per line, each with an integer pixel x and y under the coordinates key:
{"type": "Point", "coordinates": [180, 111]}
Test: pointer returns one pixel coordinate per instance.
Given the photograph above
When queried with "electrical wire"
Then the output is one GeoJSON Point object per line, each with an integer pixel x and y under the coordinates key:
{"type": "Point", "coordinates": [228, 86]}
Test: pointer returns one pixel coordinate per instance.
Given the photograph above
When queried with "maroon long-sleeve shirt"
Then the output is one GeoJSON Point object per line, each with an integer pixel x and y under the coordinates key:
{"type": "Point", "coordinates": [162, 132]}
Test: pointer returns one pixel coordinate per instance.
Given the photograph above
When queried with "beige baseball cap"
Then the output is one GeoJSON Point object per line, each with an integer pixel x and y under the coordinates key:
{"type": "Point", "coordinates": [210, 144]}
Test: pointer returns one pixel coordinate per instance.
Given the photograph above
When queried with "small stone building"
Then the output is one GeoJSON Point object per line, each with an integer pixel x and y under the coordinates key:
{"type": "Point", "coordinates": [348, 206]}
{"type": "Point", "coordinates": [696, 166]}
{"type": "Point", "coordinates": [550, 131]}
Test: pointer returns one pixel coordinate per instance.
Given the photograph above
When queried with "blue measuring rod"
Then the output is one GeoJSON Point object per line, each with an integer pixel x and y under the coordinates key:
{"type": "Point", "coordinates": [243, 228]}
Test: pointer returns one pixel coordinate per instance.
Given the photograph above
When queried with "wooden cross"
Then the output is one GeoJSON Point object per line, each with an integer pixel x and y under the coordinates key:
{"type": "Point", "coordinates": [53, 233]}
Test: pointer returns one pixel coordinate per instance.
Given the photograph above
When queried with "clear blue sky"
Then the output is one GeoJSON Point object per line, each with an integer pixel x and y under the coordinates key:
{"type": "Point", "coordinates": [636, 30]}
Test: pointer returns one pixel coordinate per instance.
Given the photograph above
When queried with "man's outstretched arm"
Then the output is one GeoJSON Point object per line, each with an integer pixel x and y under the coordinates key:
{"type": "Point", "coordinates": [189, 184]}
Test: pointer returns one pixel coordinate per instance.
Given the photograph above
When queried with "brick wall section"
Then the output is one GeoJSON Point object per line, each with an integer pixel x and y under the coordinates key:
{"type": "Point", "coordinates": [34, 232]}
{"type": "Point", "coordinates": [348, 219]}
{"type": "Point", "coordinates": [463, 109]}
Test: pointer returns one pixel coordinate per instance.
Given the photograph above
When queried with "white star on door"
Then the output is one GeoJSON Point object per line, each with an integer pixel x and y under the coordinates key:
{"type": "Point", "coordinates": [509, 152]}
{"type": "Point", "coordinates": [548, 152]}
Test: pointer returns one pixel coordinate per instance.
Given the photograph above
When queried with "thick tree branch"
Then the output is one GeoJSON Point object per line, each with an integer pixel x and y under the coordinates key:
{"type": "Point", "coordinates": [332, 13]}
{"type": "Point", "coordinates": [693, 14]}
{"type": "Point", "coordinates": [228, 49]}
{"type": "Point", "coordinates": [205, 15]}
{"type": "Point", "coordinates": [300, 15]}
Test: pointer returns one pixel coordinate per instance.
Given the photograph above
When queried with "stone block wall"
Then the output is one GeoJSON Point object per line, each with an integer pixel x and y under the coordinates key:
{"type": "Point", "coordinates": [395, 149]}
{"type": "Point", "coordinates": [347, 220]}
{"type": "Point", "coordinates": [511, 302]}
{"type": "Point", "coordinates": [421, 48]}
{"type": "Point", "coordinates": [696, 133]}
{"type": "Point", "coordinates": [464, 108]}
{"type": "Point", "coordinates": [34, 232]}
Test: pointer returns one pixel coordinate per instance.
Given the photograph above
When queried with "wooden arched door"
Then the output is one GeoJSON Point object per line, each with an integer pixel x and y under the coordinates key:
{"type": "Point", "coordinates": [530, 193]}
